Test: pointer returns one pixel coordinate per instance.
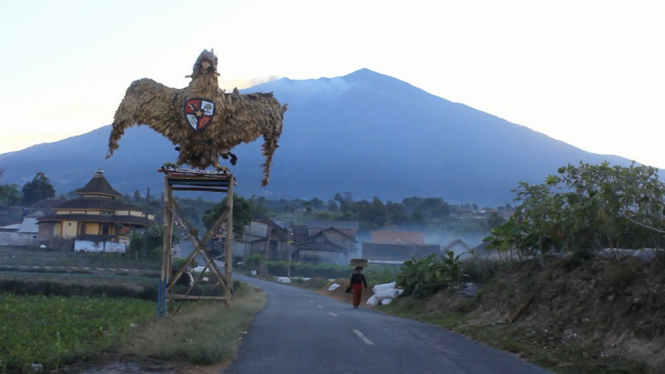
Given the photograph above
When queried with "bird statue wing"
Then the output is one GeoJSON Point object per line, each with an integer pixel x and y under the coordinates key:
{"type": "Point", "coordinates": [249, 116]}
{"type": "Point", "coordinates": [147, 102]}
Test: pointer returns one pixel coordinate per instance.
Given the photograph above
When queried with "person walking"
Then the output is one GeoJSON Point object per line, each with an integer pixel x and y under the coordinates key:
{"type": "Point", "coordinates": [358, 282]}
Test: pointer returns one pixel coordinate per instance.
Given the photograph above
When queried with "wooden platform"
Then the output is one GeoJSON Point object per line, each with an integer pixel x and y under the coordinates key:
{"type": "Point", "coordinates": [195, 180]}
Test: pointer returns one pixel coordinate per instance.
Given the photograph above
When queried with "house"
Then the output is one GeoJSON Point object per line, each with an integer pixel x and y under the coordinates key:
{"type": "Point", "coordinates": [350, 228]}
{"type": "Point", "coordinates": [267, 237]}
{"type": "Point", "coordinates": [397, 237]}
{"type": "Point", "coordinates": [329, 245]}
{"type": "Point", "coordinates": [98, 220]}
{"type": "Point", "coordinates": [323, 241]}
{"type": "Point", "coordinates": [397, 246]}
{"type": "Point", "coordinates": [327, 241]}
{"type": "Point", "coordinates": [20, 234]}
{"type": "Point", "coordinates": [275, 245]}
{"type": "Point", "coordinates": [252, 241]}
{"type": "Point", "coordinates": [43, 207]}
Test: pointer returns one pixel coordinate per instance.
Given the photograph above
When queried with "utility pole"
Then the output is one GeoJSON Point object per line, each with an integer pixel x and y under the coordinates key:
{"type": "Point", "coordinates": [144, 249]}
{"type": "Point", "coordinates": [288, 270]}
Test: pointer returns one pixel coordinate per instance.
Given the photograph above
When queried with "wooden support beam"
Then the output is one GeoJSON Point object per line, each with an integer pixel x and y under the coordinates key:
{"type": "Point", "coordinates": [228, 245]}
{"type": "Point", "coordinates": [183, 297]}
{"type": "Point", "coordinates": [195, 181]}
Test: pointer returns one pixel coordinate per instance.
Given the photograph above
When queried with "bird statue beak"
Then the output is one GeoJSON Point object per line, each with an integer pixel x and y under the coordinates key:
{"type": "Point", "coordinates": [205, 65]}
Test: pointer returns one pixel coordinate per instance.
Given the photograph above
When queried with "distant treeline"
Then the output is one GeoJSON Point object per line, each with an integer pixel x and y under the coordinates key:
{"type": "Point", "coordinates": [412, 213]}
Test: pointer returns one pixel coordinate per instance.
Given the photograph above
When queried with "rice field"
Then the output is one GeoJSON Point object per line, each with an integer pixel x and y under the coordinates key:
{"type": "Point", "coordinates": [51, 331]}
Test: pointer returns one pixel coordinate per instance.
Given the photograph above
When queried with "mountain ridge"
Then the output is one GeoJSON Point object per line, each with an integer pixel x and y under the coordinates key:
{"type": "Point", "coordinates": [365, 133]}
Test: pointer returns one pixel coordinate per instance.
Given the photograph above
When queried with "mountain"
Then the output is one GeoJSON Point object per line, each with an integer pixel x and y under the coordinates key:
{"type": "Point", "coordinates": [364, 133]}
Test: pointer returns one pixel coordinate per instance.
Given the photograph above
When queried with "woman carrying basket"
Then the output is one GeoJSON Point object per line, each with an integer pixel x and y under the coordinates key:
{"type": "Point", "coordinates": [358, 282]}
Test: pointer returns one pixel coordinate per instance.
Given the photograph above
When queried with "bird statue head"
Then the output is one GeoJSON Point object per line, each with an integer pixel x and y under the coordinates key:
{"type": "Point", "coordinates": [206, 64]}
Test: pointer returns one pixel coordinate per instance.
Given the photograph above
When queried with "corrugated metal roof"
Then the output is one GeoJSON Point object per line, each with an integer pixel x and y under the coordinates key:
{"type": "Point", "coordinates": [13, 227]}
{"type": "Point", "coordinates": [29, 226]}
{"type": "Point", "coordinates": [397, 237]}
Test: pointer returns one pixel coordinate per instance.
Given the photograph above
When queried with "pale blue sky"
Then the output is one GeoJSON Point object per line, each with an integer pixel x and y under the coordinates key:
{"type": "Point", "coordinates": [590, 73]}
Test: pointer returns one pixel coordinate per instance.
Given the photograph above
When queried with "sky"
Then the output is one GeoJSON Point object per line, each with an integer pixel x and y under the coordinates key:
{"type": "Point", "coordinates": [589, 73]}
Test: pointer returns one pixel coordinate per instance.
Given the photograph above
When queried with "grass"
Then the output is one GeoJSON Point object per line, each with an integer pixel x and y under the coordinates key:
{"type": "Point", "coordinates": [202, 333]}
{"type": "Point", "coordinates": [54, 330]}
{"type": "Point", "coordinates": [522, 341]}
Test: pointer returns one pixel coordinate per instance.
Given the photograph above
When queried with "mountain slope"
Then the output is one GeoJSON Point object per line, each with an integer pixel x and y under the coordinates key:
{"type": "Point", "coordinates": [365, 133]}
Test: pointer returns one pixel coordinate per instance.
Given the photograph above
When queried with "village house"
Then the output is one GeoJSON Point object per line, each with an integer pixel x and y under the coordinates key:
{"type": "Point", "coordinates": [20, 234]}
{"type": "Point", "coordinates": [98, 220]}
{"type": "Point", "coordinates": [397, 246]}
{"type": "Point", "coordinates": [42, 207]}
{"type": "Point", "coordinates": [328, 241]}
{"type": "Point", "coordinates": [316, 241]}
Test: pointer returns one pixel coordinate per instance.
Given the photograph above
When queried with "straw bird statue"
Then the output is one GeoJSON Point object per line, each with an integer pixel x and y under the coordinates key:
{"type": "Point", "coordinates": [203, 121]}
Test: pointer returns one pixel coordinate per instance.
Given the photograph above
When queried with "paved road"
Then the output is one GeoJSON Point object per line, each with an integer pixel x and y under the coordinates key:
{"type": "Point", "coordinates": [301, 332]}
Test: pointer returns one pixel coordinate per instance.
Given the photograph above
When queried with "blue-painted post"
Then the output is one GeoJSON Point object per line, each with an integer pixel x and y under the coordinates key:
{"type": "Point", "coordinates": [159, 299]}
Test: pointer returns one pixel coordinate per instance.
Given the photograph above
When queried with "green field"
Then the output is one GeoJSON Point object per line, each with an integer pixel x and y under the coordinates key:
{"type": "Point", "coordinates": [52, 331]}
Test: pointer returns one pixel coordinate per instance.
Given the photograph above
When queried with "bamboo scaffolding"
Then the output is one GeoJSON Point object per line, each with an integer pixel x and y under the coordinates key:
{"type": "Point", "coordinates": [176, 180]}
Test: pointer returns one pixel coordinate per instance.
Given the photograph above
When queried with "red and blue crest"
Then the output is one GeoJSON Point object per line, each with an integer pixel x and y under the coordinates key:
{"type": "Point", "coordinates": [199, 112]}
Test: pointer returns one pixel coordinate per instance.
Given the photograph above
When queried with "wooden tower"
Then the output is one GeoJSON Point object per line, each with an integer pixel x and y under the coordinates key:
{"type": "Point", "coordinates": [195, 180]}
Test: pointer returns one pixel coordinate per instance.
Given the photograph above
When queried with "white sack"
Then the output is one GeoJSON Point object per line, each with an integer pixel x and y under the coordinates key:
{"type": "Point", "coordinates": [385, 294]}
{"type": "Point", "coordinates": [372, 301]}
{"type": "Point", "coordinates": [283, 280]}
{"type": "Point", "coordinates": [333, 287]}
{"type": "Point", "coordinates": [386, 301]}
{"type": "Point", "coordinates": [381, 287]}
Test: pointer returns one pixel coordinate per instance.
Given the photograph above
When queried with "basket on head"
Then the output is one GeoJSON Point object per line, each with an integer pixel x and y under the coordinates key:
{"type": "Point", "coordinates": [359, 262]}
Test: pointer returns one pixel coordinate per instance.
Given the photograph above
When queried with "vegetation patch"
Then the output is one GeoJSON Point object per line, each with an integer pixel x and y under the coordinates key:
{"type": "Point", "coordinates": [202, 333]}
{"type": "Point", "coordinates": [52, 331]}
{"type": "Point", "coordinates": [595, 316]}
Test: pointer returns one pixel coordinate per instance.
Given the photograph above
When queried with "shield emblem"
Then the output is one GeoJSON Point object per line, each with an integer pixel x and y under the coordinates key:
{"type": "Point", "coordinates": [199, 112]}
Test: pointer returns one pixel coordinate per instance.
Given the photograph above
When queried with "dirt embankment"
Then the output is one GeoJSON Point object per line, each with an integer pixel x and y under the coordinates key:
{"type": "Point", "coordinates": [601, 308]}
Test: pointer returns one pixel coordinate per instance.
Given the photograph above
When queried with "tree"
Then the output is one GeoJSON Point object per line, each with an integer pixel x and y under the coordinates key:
{"type": "Point", "coordinates": [257, 208]}
{"type": "Point", "coordinates": [317, 204]}
{"type": "Point", "coordinates": [36, 190]}
{"type": "Point", "coordinates": [242, 214]}
{"type": "Point", "coordinates": [495, 220]}
{"type": "Point", "coordinates": [332, 205]}
{"type": "Point", "coordinates": [10, 195]}
{"type": "Point", "coordinates": [601, 207]}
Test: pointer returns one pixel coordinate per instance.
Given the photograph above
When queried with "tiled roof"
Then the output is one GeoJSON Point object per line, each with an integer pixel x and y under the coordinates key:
{"type": "Point", "coordinates": [98, 185]}
{"type": "Point", "coordinates": [101, 203]}
{"type": "Point", "coordinates": [121, 220]}
{"type": "Point", "coordinates": [46, 203]}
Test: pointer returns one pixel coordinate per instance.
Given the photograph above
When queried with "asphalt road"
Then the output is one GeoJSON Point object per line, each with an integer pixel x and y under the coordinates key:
{"type": "Point", "coordinates": [301, 332]}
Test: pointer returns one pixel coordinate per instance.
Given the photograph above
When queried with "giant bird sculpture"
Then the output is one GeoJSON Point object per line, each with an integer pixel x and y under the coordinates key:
{"type": "Point", "coordinates": [203, 121]}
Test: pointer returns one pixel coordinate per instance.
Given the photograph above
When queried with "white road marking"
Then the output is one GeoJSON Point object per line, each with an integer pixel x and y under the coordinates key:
{"type": "Point", "coordinates": [320, 306]}
{"type": "Point", "coordinates": [333, 314]}
{"type": "Point", "coordinates": [363, 337]}
{"type": "Point", "coordinates": [311, 301]}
